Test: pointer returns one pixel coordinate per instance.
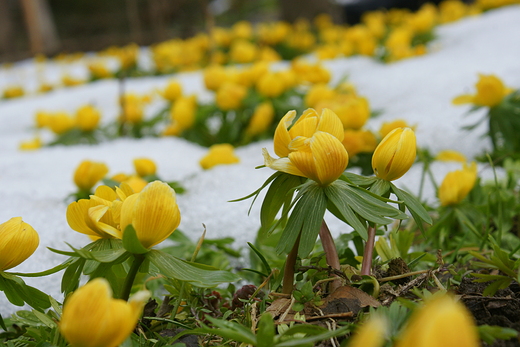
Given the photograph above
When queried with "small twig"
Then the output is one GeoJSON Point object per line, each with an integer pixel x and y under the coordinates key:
{"type": "Point", "coordinates": [332, 315]}
{"type": "Point", "coordinates": [408, 274]}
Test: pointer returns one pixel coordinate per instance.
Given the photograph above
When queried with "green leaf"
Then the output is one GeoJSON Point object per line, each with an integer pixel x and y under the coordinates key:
{"type": "Point", "coordinates": [414, 206]}
{"type": "Point", "coordinates": [197, 274]}
{"type": "Point", "coordinates": [261, 256]}
{"type": "Point", "coordinates": [363, 181]}
{"type": "Point", "coordinates": [131, 243]}
{"type": "Point", "coordinates": [310, 340]}
{"type": "Point", "coordinates": [18, 293]}
{"type": "Point", "coordinates": [70, 279]}
{"type": "Point", "coordinates": [266, 331]}
{"type": "Point", "coordinates": [339, 207]}
{"type": "Point", "coordinates": [280, 190]}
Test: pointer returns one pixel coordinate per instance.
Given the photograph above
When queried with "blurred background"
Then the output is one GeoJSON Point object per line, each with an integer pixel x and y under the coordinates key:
{"type": "Point", "coordinates": [49, 27]}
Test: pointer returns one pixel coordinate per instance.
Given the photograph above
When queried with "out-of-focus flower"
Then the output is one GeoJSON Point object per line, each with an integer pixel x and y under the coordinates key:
{"type": "Point", "coordinates": [18, 241]}
{"type": "Point", "coordinates": [70, 81]}
{"type": "Point", "coordinates": [92, 318]}
{"type": "Point", "coordinates": [45, 87]}
{"type": "Point", "coordinates": [88, 173]}
{"type": "Point", "coordinates": [87, 118]}
{"type": "Point", "coordinates": [42, 119]}
{"type": "Point", "coordinates": [219, 154]}
{"type": "Point", "coordinates": [273, 33]}
{"type": "Point", "coordinates": [490, 92]}
{"type": "Point", "coordinates": [242, 30]}
{"type": "Point", "coordinates": [442, 321]}
{"type": "Point", "coordinates": [133, 108]}
{"type": "Point", "coordinates": [137, 183]}
{"type": "Point", "coordinates": [183, 112]}
{"type": "Point", "coordinates": [261, 120]}
{"type": "Point", "coordinates": [353, 111]}
{"type": "Point", "coordinates": [387, 127]}
{"type": "Point", "coordinates": [457, 185]}
{"type": "Point", "coordinates": [243, 52]}
{"type": "Point", "coordinates": [319, 92]}
{"type": "Point", "coordinates": [423, 20]}
{"type": "Point", "coordinates": [230, 95]}
{"type": "Point", "coordinates": [13, 92]}
{"type": "Point", "coordinates": [214, 76]}
{"type": "Point", "coordinates": [359, 141]}
{"type": "Point", "coordinates": [270, 85]}
{"type": "Point", "coordinates": [395, 154]}
{"type": "Point", "coordinates": [98, 70]}
{"type": "Point", "coordinates": [144, 167]}
{"type": "Point", "coordinates": [60, 122]}
{"type": "Point", "coordinates": [31, 145]}
{"type": "Point", "coordinates": [311, 148]}
{"type": "Point", "coordinates": [451, 11]}
{"type": "Point", "coordinates": [172, 91]}
{"type": "Point", "coordinates": [153, 213]}
{"type": "Point", "coordinates": [451, 155]}
{"type": "Point", "coordinates": [371, 333]}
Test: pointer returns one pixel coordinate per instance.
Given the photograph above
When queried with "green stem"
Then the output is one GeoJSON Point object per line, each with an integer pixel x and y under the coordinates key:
{"type": "Point", "coordinates": [369, 251]}
{"type": "Point", "coordinates": [331, 254]}
{"type": "Point", "coordinates": [288, 274]}
{"type": "Point", "coordinates": [129, 281]}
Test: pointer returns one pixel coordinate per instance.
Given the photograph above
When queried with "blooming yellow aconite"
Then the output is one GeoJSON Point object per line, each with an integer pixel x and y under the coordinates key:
{"type": "Point", "coordinates": [442, 321]}
{"type": "Point", "coordinates": [457, 185]}
{"type": "Point", "coordinates": [88, 173]}
{"type": "Point", "coordinates": [18, 241]}
{"type": "Point", "coordinates": [490, 92]}
{"type": "Point", "coordinates": [153, 213]}
{"type": "Point", "coordinates": [222, 153]}
{"type": "Point", "coordinates": [311, 148]}
{"type": "Point", "coordinates": [395, 154]}
{"type": "Point", "coordinates": [92, 318]}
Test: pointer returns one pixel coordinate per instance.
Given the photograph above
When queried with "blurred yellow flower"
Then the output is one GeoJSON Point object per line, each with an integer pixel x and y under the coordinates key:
{"type": "Point", "coordinates": [87, 118]}
{"type": "Point", "coordinates": [70, 81]}
{"type": "Point", "coordinates": [319, 92]}
{"type": "Point", "coordinates": [359, 141]}
{"type": "Point", "coordinates": [133, 108]}
{"type": "Point", "coordinates": [354, 111]}
{"type": "Point", "coordinates": [88, 173]}
{"type": "Point", "coordinates": [144, 167]}
{"type": "Point", "coordinates": [457, 185]}
{"type": "Point", "coordinates": [172, 91]}
{"type": "Point", "coordinates": [270, 85]}
{"type": "Point", "coordinates": [92, 318]}
{"type": "Point", "coordinates": [395, 154]}
{"type": "Point", "coordinates": [60, 122]}
{"type": "Point", "coordinates": [230, 95]}
{"type": "Point", "coordinates": [371, 333]}
{"type": "Point", "coordinates": [13, 92]}
{"type": "Point", "coordinates": [242, 52]}
{"type": "Point", "coordinates": [18, 241]}
{"type": "Point", "coordinates": [214, 76]}
{"type": "Point", "coordinates": [490, 92]}
{"type": "Point", "coordinates": [153, 213]}
{"type": "Point", "coordinates": [42, 119]}
{"type": "Point", "coordinates": [442, 321]}
{"type": "Point", "coordinates": [387, 127]}
{"type": "Point", "coordinates": [183, 112]}
{"type": "Point", "coordinates": [98, 70]}
{"type": "Point", "coordinates": [261, 119]}
{"type": "Point", "coordinates": [137, 183]}
{"type": "Point", "coordinates": [242, 30]}
{"type": "Point", "coordinates": [423, 20]}
{"type": "Point", "coordinates": [219, 154]}
{"type": "Point", "coordinates": [451, 155]}
{"type": "Point", "coordinates": [31, 145]}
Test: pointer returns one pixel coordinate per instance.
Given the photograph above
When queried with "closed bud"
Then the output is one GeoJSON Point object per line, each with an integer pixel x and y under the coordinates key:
{"type": "Point", "coordinates": [144, 167]}
{"type": "Point", "coordinates": [18, 241]}
{"type": "Point", "coordinates": [93, 318]}
{"type": "Point", "coordinates": [153, 213]}
{"type": "Point", "coordinates": [88, 174]}
{"type": "Point", "coordinates": [87, 118]}
{"type": "Point", "coordinates": [396, 153]}
{"type": "Point", "coordinates": [219, 154]}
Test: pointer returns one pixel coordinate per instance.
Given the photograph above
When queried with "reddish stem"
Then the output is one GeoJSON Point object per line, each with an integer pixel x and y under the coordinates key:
{"type": "Point", "coordinates": [331, 253]}
{"type": "Point", "coordinates": [369, 251]}
{"type": "Point", "coordinates": [288, 274]}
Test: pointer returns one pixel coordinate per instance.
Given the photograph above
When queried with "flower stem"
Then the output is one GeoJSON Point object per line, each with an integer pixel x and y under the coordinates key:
{"type": "Point", "coordinates": [129, 281]}
{"type": "Point", "coordinates": [288, 274]}
{"type": "Point", "coordinates": [331, 253]}
{"type": "Point", "coordinates": [369, 251]}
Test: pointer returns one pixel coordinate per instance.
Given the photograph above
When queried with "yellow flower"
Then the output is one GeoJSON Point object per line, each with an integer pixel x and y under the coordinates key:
{"type": "Point", "coordinates": [490, 92]}
{"type": "Point", "coordinates": [88, 173]}
{"type": "Point", "coordinates": [359, 141]}
{"type": "Point", "coordinates": [451, 155]}
{"type": "Point", "coordinates": [230, 95]}
{"type": "Point", "coordinates": [312, 148]}
{"type": "Point", "coordinates": [137, 183]}
{"type": "Point", "coordinates": [219, 154]}
{"type": "Point", "coordinates": [172, 91]}
{"type": "Point", "coordinates": [242, 30]}
{"type": "Point", "coordinates": [371, 333]}
{"type": "Point", "coordinates": [183, 111]}
{"type": "Point", "coordinates": [270, 85]}
{"type": "Point", "coordinates": [18, 241]}
{"type": "Point", "coordinates": [153, 213]}
{"type": "Point", "coordinates": [87, 118]}
{"type": "Point", "coordinates": [261, 119]}
{"type": "Point", "coordinates": [99, 70]}
{"type": "Point", "coordinates": [442, 321]}
{"type": "Point", "coordinates": [319, 92]}
{"type": "Point", "coordinates": [243, 52]}
{"type": "Point", "coordinates": [13, 92]}
{"type": "Point", "coordinates": [70, 81]}
{"type": "Point", "coordinates": [31, 145]}
{"type": "Point", "coordinates": [97, 216]}
{"type": "Point", "coordinates": [353, 111]}
{"type": "Point", "coordinates": [387, 127]}
{"type": "Point", "coordinates": [61, 122]}
{"type": "Point", "coordinates": [133, 108]}
{"type": "Point", "coordinates": [92, 318]}
{"type": "Point", "coordinates": [457, 185]}
{"type": "Point", "coordinates": [396, 153]}
{"type": "Point", "coordinates": [144, 167]}
{"type": "Point", "coordinates": [42, 119]}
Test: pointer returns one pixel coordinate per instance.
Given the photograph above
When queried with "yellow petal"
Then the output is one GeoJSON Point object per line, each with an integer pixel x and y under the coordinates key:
{"type": "Point", "coordinates": [463, 99]}
{"type": "Point", "coordinates": [18, 241]}
{"type": "Point", "coordinates": [281, 164]}
{"type": "Point", "coordinates": [330, 123]}
{"type": "Point", "coordinates": [396, 153]}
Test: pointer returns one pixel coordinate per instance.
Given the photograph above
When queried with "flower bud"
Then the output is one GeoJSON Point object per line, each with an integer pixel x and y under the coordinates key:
{"type": "Point", "coordinates": [144, 167]}
{"type": "Point", "coordinates": [230, 95]}
{"type": "Point", "coordinates": [261, 120]}
{"type": "Point", "coordinates": [396, 153]}
{"type": "Point", "coordinates": [60, 122]}
{"type": "Point", "coordinates": [457, 185]}
{"type": "Point", "coordinates": [219, 154]}
{"type": "Point", "coordinates": [172, 91]}
{"type": "Point", "coordinates": [153, 213]}
{"type": "Point", "coordinates": [92, 318]}
{"type": "Point", "coordinates": [442, 321]}
{"type": "Point", "coordinates": [88, 174]}
{"type": "Point", "coordinates": [87, 118]}
{"type": "Point", "coordinates": [18, 241]}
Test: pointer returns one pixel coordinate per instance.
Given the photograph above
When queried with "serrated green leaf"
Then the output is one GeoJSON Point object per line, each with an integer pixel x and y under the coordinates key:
{"type": "Point", "coordinates": [197, 274]}
{"type": "Point", "coordinates": [131, 242]}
